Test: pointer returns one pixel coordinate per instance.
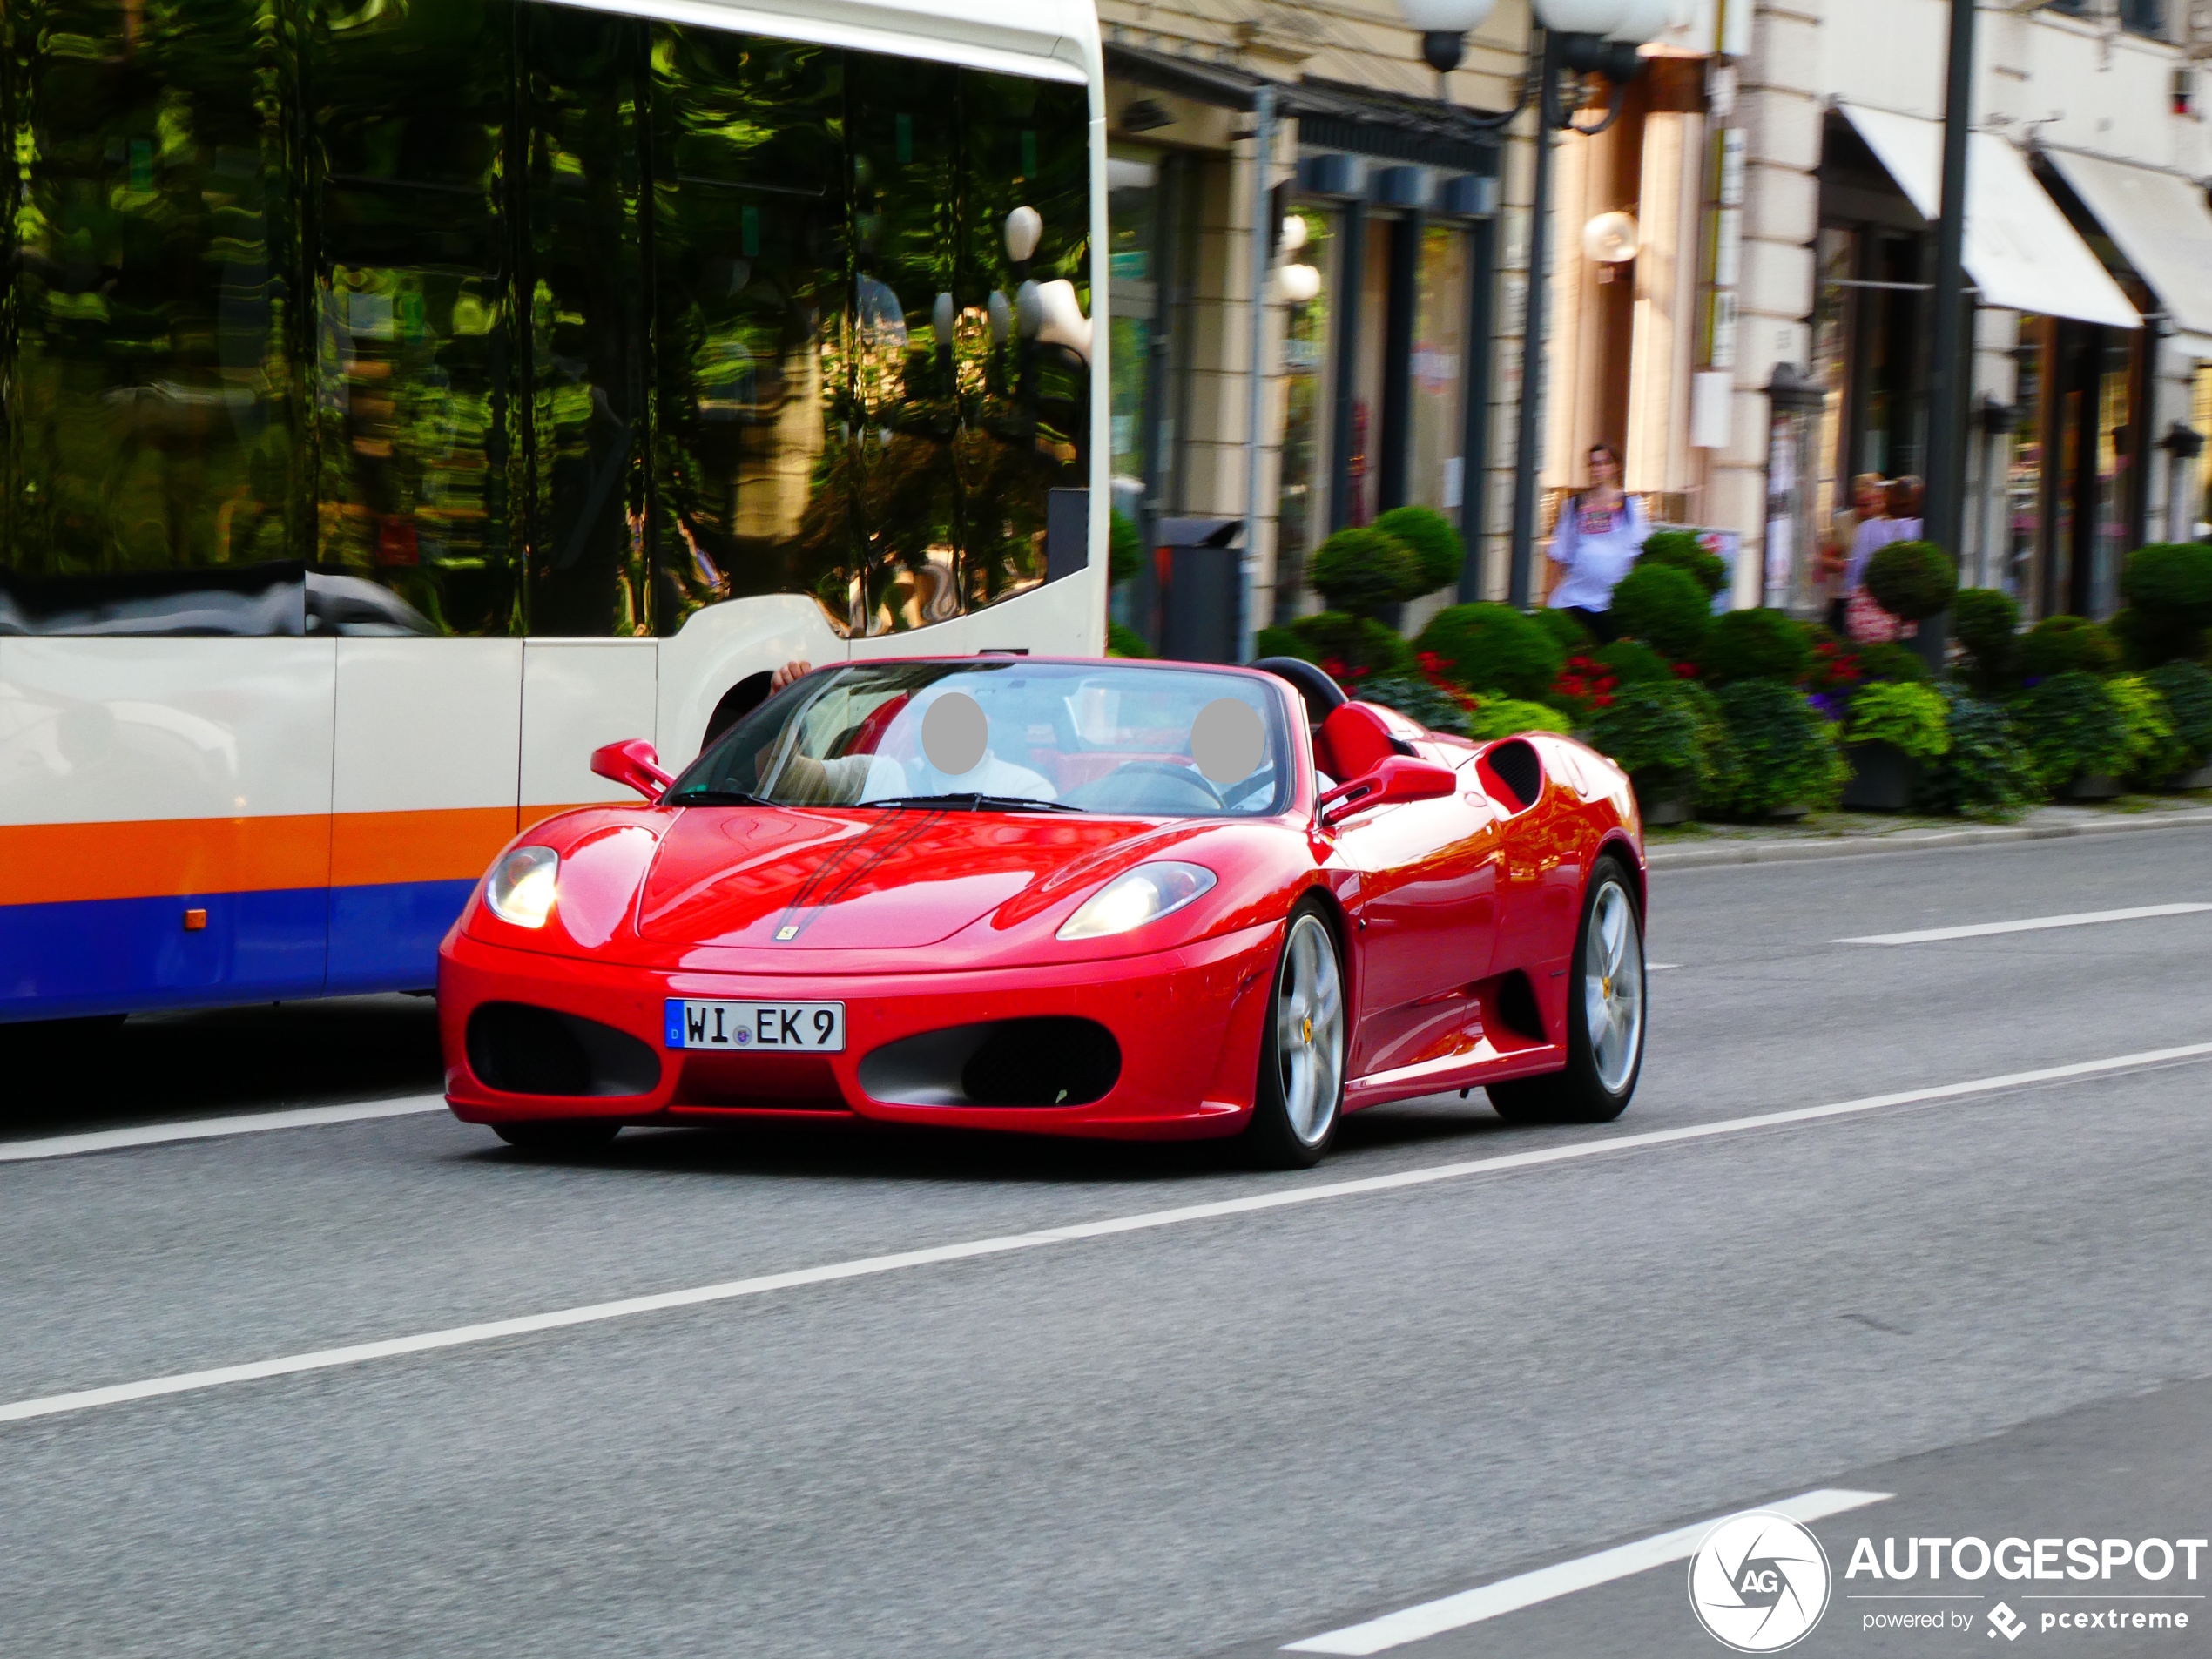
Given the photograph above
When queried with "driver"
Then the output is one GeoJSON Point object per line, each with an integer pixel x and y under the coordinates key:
{"type": "Point", "coordinates": [855, 780]}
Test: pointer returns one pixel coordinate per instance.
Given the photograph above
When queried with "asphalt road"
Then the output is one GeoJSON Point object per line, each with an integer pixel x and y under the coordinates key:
{"type": "Point", "coordinates": [1213, 1434]}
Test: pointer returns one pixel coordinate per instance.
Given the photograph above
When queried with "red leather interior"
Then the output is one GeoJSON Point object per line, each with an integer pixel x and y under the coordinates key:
{"type": "Point", "coordinates": [1352, 742]}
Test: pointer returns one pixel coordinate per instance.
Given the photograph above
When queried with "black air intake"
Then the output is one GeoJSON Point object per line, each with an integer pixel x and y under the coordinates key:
{"type": "Point", "coordinates": [519, 1049]}
{"type": "Point", "coordinates": [1054, 1060]}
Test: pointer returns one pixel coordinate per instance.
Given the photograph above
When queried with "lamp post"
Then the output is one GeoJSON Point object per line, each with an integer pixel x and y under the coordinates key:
{"type": "Point", "coordinates": [1580, 38]}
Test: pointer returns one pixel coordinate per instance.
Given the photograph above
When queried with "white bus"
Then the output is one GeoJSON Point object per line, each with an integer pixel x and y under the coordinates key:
{"type": "Point", "coordinates": [398, 402]}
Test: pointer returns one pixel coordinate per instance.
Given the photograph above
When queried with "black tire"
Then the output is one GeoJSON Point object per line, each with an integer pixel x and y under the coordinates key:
{"type": "Point", "coordinates": [1579, 1094]}
{"type": "Point", "coordinates": [1288, 1130]}
{"type": "Point", "coordinates": [558, 1137]}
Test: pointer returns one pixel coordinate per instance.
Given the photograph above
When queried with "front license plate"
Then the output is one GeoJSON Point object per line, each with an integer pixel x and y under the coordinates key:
{"type": "Point", "coordinates": [811, 1027]}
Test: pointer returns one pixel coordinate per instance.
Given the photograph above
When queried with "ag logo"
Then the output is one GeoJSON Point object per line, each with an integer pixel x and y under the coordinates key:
{"type": "Point", "coordinates": [1759, 1582]}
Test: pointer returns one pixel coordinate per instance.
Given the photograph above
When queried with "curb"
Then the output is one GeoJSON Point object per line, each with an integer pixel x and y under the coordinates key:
{"type": "Point", "coordinates": [1748, 852]}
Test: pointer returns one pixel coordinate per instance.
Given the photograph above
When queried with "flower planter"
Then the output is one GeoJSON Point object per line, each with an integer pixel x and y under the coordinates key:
{"type": "Point", "coordinates": [2201, 779]}
{"type": "Point", "coordinates": [2093, 788]}
{"type": "Point", "coordinates": [1790, 814]}
{"type": "Point", "coordinates": [1667, 811]}
{"type": "Point", "coordinates": [1884, 779]}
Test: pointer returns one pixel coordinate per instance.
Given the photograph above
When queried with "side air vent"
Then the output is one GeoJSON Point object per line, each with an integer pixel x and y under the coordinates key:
{"type": "Point", "coordinates": [519, 1049]}
{"type": "Point", "coordinates": [1048, 1060]}
{"type": "Point", "coordinates": [1515, 764]}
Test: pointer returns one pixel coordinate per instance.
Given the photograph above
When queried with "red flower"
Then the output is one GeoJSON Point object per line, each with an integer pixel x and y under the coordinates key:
{"type": "Point", "coordinates": [1685, 671]}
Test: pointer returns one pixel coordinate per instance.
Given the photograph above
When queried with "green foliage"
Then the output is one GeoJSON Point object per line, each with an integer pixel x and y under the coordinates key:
{"type": "Point", "coordinates": [1349, 647]}
{"type": "Point", "coordinates": [1665, 608]}
{"type": "Point", "coordinates": [2169, 586]}
{"type": "Point", "coordinates": [1988, 774]}
{"type": "Point", "coordinates": [1886, 660]}
{"type": "Point", "coordinates": [2154, 748]}
{"type": "Point", "coordinates": [1683, 551]}
{"type": "Point", "coordinates": [2072, 727]}
{"type": "Point", "coordinates": [1985, 623]}
{"type": "Point", "coordinates": [1417, 699]}
{"type": "Point", "coordinates": [1494, 648]}
{"type": "Point", "coordinates": [1365, 571]}
{"type": "Point", "coordinates": [2066, 645]}
{"type": "Point", "coordinates": [1755, 645]}
{"type": "Point", "coordinates": [1122, 641]}
{"type": "Point", "coordinates": [1912, 718]}
{"type": "Point", "coordinates": [1503, 716]}
{"type": "Point", "coordinates": [1780, 752]}
{"type": "Point", "coordinates": [1634, 663]}
{"type": "Point", "coordinates": [2186, 688]}
{"type": "Point", "coordinates": [1281, 642]}
{"type": "Point", "coordinates": [1652, 733]}
{"type": "Point", "coordinates": [1124, 547]}
{"type": "Point", "coordinates": [1434, 544]}
{"type": "Point", "coordinates": [1573, 637]}
{"type": "Point", "coordinates": [1912, 580]}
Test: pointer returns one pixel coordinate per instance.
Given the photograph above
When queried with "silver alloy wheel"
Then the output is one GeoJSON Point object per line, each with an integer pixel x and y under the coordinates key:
{"type": "Point", "coordinates": [1613, 987]}
{"type": "Point", "coordinates": [1309, 1030]}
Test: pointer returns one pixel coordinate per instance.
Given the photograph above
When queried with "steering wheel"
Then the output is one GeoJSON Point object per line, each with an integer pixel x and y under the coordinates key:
{"type": "Point", "coordinates": [1166, 769]}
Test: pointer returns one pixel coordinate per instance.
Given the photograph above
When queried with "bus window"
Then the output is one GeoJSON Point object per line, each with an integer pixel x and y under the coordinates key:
{"type": "Point", "coordinates": [749, 291]}
{"type": "Point", "coordinates": [416, 344]}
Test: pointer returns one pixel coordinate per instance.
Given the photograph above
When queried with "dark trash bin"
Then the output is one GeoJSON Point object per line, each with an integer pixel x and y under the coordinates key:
{"type": "Point", "coordinates": [1203, 570]}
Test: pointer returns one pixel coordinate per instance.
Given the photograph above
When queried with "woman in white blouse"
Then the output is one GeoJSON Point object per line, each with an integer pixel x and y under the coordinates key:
{"type": "Point", "coordinates": [1601, 531]}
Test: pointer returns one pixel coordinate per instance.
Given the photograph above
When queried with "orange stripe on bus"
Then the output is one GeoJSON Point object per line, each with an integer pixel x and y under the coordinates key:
{"type": "Point", "coordinates": [59, 863]}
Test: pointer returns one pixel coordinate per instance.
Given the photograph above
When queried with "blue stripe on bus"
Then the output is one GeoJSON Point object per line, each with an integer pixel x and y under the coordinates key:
{"type": "Point", "coordinates": [125, 955]}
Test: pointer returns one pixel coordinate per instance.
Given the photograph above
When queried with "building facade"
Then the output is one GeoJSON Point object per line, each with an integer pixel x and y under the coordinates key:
{"type": "Point", "coordinates": [1784, 207]}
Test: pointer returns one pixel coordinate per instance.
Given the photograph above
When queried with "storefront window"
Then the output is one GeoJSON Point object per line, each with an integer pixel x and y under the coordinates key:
{"type": "Point", "coordinates": [1132, 215]}
{"type": "Point", "coordinates": [2024, 504]}
{"type": "Point", "coordinates": [1831, 325]}
{"type": "Point", "coordinates": [1439, 356]}
{"type": "Point", "coordinates": [1304, 509]}
{"type": "Point", "coordinates": [2200, 418]}
{"type": "Point", "coordinates": [1364, 458]}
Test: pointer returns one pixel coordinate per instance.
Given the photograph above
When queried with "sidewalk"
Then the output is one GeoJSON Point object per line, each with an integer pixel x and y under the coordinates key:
{"type": "Point", "coordinates": [1831, 835]}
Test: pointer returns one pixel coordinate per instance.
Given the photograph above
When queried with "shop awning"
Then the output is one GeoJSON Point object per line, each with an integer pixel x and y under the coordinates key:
{"type": "Point", "coordinates": [2021, 252]}
{"type": "Point", "coordinates": [2160, 226]}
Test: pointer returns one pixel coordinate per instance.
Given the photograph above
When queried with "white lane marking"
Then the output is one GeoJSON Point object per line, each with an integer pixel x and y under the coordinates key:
{"type": "Point", "coordinates": [869, 1266]}
{"type": "Point", "coordinates": [1548, 1584]}
{"type": "Point", "coordinates": [2033, 924]}
{"type": "Point", "coordinates": [1660, 968]}
{"type": "Point", "coordinates": [208, 1129]}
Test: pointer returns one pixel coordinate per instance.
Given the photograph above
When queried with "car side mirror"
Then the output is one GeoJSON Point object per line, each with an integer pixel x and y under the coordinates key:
{"type": "Point", "coordinates": [636, 764]}
{"type": "Point", "coordinates": [1395, 779]}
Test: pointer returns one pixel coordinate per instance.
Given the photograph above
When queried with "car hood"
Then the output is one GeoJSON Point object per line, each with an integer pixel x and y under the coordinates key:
{"type": "Point", "coordinates": [802, 879]}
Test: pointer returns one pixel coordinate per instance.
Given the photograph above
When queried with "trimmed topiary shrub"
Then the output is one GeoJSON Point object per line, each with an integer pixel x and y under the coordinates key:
{"type": "Point", "coordinates": [1351, 648]}
{"type": "Point", "coordinates": [2169, 586]}
{"type": "Point", "coordinates": [1987, 773]}
{"type": "Point", "coordinates": [1986, 623]}
{"type": "Point", "coordinates": [1755, 645]}
{"type": "Point", "coordinates": [1435, 708]}
{"type": "Point", "coordinates": [1436, 547]}
{"type": "Point", "coordinates": [1492, 648]}
{"type": "Point", "coordinates": [1781, 753]}
{"type": "Point", "coordinates": [2186, 688]}
{"type": "Point", "coordinates": [1365, 571]}
{"type": "Point", "coordinates": [1503, 716]}
{"type": "Point", "coordinates": [1914, 719]}
{"type": "Point", "coordinates": [1884, 660]}
{"type": "Point", "coordinates": [2071, 726]}
{"type": "Point", "coordinates": [1686, 553]}
{"type": "Point", "coordinates": [1634, 663]}
{"type": "Point", "coordinates": [1912, 580]}
{"type": "Point", "coordinates": [1665, 608]}
{"type": "Point", "coordinates": [1125, 548]}
{"type": "Point", "coordinates": [1276, 642]}
{"type": "Point", "coordinates": [1122, 641]}
{"type": "Point", "coordinates": [2066, 645]}
{"type": "Point", "coordinates": [1652, 732]}
{"type": "Point", "coordinates": [1573, 637]}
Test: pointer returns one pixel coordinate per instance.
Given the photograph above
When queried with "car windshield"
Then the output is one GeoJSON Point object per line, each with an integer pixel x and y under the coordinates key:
{"type": "Point", "coordinates": [1004, 735]}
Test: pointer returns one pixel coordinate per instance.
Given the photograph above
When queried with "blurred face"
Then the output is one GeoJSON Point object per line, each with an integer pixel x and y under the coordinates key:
{"type": "Point", "coordinates": [1867, 497]}
{"type": "Point", "coordinates": [1605, 468]}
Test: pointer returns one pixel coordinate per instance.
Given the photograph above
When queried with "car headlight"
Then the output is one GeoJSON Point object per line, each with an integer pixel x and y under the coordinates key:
{"type": "Point", "coordinates": [1144, 895]}
{"type": "Point", "coordinates": [521, 890]}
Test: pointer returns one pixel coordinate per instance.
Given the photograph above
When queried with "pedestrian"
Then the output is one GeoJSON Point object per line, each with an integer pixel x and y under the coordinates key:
{"type": "Point", "coordinates": [1601, 531]}
{"type": "Point", "coordinates": [1867, 622]}
{"type": "Point", "coordinates": [1869, 498]}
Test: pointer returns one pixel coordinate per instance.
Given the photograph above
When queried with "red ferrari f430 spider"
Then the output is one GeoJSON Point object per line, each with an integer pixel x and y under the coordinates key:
{"type": "Point", "coordinates": [1100, 898]}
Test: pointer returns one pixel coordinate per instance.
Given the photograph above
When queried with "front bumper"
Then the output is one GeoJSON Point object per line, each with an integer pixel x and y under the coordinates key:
{"type": "Point", "coordinates": [1187, 1022]}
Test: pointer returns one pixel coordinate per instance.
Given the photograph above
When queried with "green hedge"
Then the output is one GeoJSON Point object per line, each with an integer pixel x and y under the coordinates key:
{"type": "Point", "coordinates": [1663, 607]}
{"type": "Point", "coordinates": [1780, 752]}
{"type": "Point", "coordinates": [1755, 645]}
{"type": "Point", "coordinates": [1365, 571]}
{"type": "Point", "coordinates": [1494, 648]}
{"type": "Point", "coordinates": [1434, 544]}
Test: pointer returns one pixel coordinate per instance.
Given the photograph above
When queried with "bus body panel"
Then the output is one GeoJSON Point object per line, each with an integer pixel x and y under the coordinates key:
{"type": "Point", "coordinates": [423, 796]}
{"type": "Point", "coordinates": [165, 821]}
